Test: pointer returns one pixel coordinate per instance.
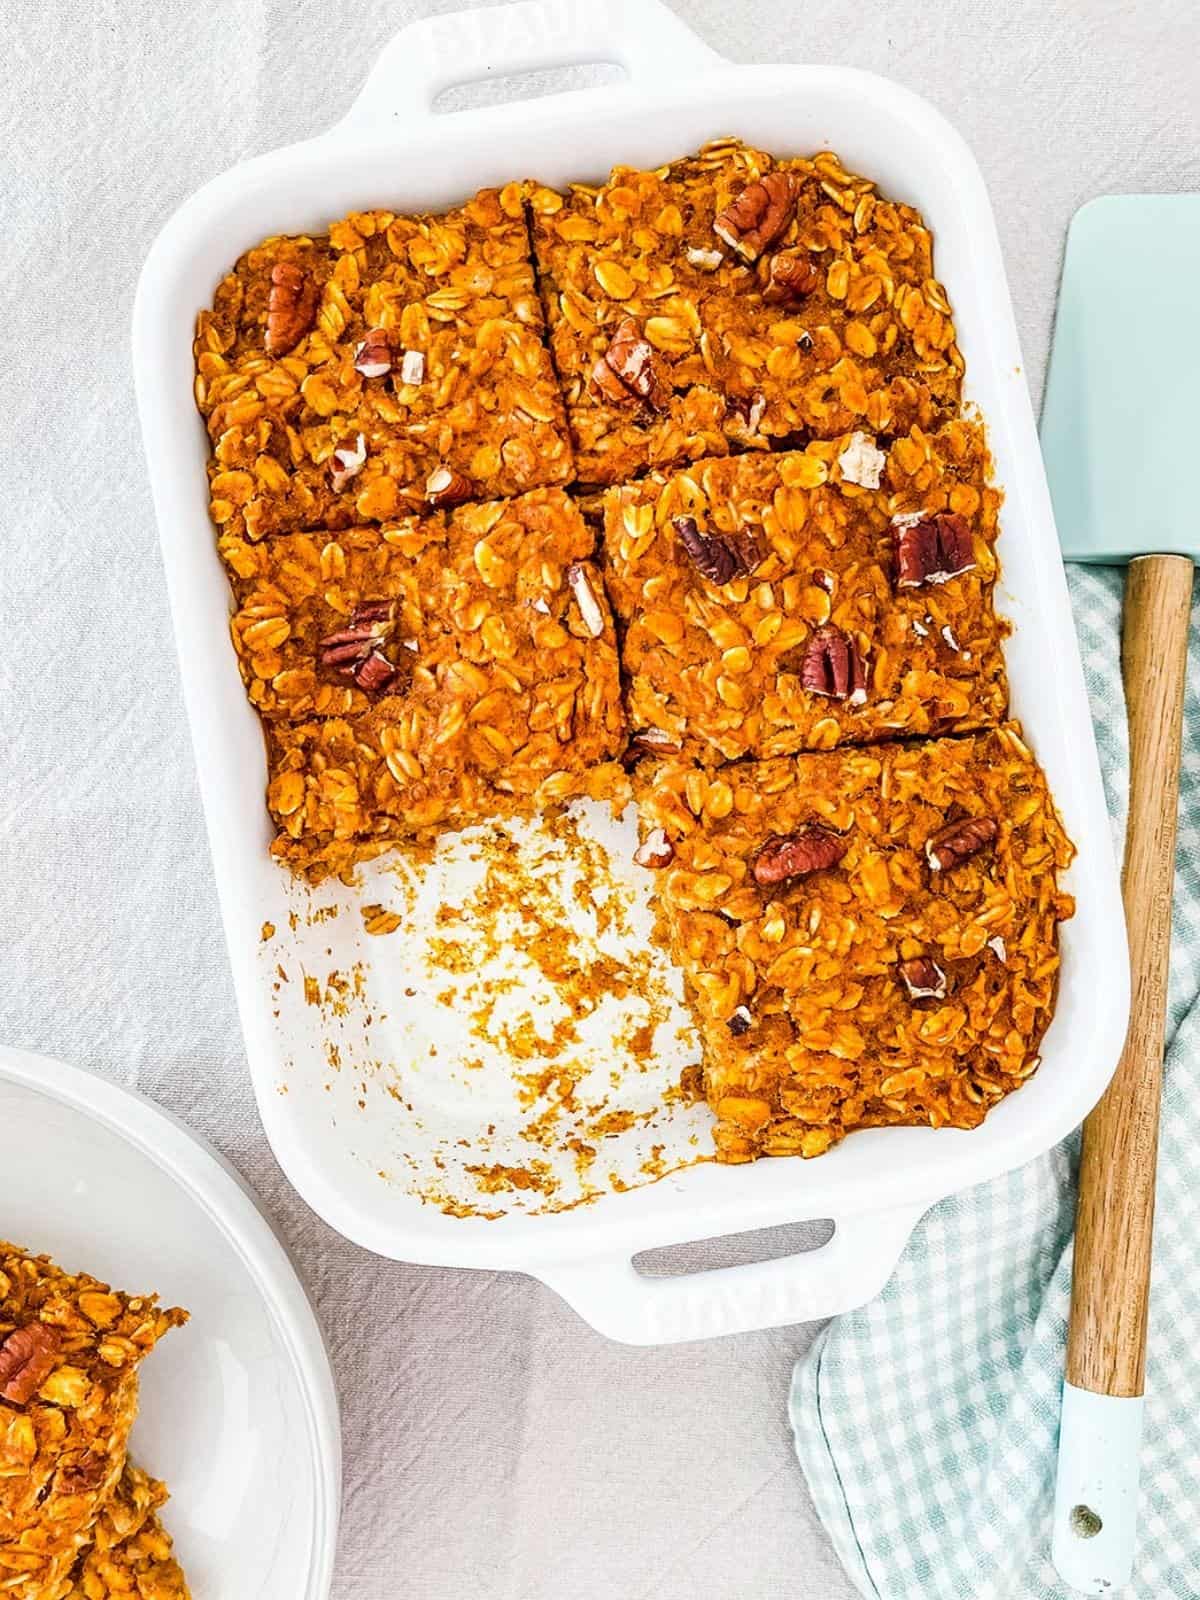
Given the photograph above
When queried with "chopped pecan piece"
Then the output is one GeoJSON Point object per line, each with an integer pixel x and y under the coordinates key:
{"type": "Point", "coordinates": [862, 461]}
{"type": "Point", "coordinates": [718, 557]}
{"type": "Point", "coordinates": [374, 673]}
{"type": "Point", "coordinates": [794, 855]}
{"type": "Point", "coordinates": [656, 850]}
{"type": "Point", "coordinates": [759, 215]}
{"type": "Point", "coordinates": [626, 373]}
{"type": "Point", "coordinates": [954, 843]}
{"type": "Point", "coordinates": [648, 742]}
{"type": "Point", "coordinates": [703, 260]}
{"type": "Point", "coordinates": [585, 599]}
{"type": "Point", "coordinates": [833, 666]}
{"type": "Point", "coordinates": [347, 462]}
{"type": "Point", "coordinates": [740, 1022]}
{"type": "Point", "coordinates": [923, 978]}
{"type": "Point", "coordinates": [291, 306]}
{"type": "Point", "coordinates": [793, 276]}
{"type": "Point", "coordinates": [83, 1472]}
{"type": "Point", "coordinates": [373, 357]}
{"type": "Point", "coordinates": [444, 488]}
{"type": "Point", "coordinates": [932, 549]}
{"type": "Point", "coordinates": [743, 415]}
{"type": "Point", "coordinates": [26, 1361]}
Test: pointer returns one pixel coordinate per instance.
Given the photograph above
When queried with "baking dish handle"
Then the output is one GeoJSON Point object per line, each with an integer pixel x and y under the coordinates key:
{"type": "Point", "coordinates": [436, 53]}
{"type": "Point", "coordinates": [850, 1269]}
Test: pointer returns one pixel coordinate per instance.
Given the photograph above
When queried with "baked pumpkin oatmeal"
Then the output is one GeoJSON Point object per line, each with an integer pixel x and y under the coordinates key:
{"type": "Point", "coordinates": [746, 372]}
{"type": "Point", "coordinates": [330, 624]}
{"type": "Point", "coordinates": [427, 676]}
{"type": "Point", "coordinates": [771, 603]}
{"type": "Point", "coordinates": [70, 1347]}
{"type": "Point", "coordinates": [131, 1551]}
{"type": "Point", "coordinates": [869, 935]}
{"type": "Point", "coordinates": [734, 301]}
{"type": "Point", "coordinates": [393, 363]}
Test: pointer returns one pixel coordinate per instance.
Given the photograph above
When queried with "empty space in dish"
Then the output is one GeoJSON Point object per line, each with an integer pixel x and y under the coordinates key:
{"type": "Point", "coordinates": [488, 1022]}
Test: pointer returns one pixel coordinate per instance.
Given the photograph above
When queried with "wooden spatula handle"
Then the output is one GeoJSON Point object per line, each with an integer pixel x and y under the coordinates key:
{"type": "Point", "coordinates": [1106, 1349]}
{"type": "Point", "coordinates": [1094, 1530]}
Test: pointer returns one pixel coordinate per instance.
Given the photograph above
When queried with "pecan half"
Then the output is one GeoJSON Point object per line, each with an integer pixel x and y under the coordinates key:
{"type": "Point", "coordinates": [792, 276]}
{"type": "Point", "coordinates": [291, 306]}
{"type": "Point", "coordinates": [656, 850]}
{"type": "Point", "coordinates": [760, 215]}
{"type": "Point", "coordinates": [952, 845]}
{"type": "Point", "coordinates": [932, 549]}
{"type": "Point", "coordinates": [585, 599]}
{"type": "Point", "coordinates": [794, 855]}
{"type": "Point", "coordinates": [718, 557]}
{"type": "Point", "coordinates": [444, 487]}
{"type": "Point", "coordinates": [353, 652]}
{"type": "Point", "coordinates": [346, 462]}
{"type": "Point", "coordinates": [923, 978]}
{"type": "Point", "coordinates": [833, 666]}
{"type": "Point", "coordinates": [625, 373]}
{"type": "Point", "coordinates": [373, 357]}
{"type": "Point", "coordinates": [26, 1361]}
{"type": "Point", "coordinates": [369, 623]}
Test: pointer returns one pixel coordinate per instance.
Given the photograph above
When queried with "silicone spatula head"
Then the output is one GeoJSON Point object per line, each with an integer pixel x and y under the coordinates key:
{"type": "Point", "coordinates": [1121, 422]}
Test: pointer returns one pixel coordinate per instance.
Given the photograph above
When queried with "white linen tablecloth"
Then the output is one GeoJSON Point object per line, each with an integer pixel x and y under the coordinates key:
{"type": "Point", "coordinates": [493, 1444]}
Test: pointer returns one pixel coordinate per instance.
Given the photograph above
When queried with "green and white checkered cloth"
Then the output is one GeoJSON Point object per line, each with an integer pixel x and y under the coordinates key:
{"type": "Point", "coordinates": [927, 1422]}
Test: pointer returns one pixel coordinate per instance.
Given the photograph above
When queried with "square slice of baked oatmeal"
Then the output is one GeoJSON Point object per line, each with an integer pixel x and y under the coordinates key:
{"type": "Point", "coordinates": [428, 676]}
{"type": "Point", "coordinates": [732, 300]}
{"type": "Point", "coordinates": [771, 603]}
{"type": "Point", "coordinates": [869, 935]}
{"type": "Point", "coordinates": [393, 363]}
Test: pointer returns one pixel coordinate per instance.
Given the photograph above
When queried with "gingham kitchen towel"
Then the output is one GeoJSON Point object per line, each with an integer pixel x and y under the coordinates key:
{"type": "Point", "coordinates": [926, 1422]}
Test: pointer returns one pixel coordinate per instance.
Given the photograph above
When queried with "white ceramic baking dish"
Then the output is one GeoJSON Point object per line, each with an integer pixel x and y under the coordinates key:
{"type": "Point", "coordinates": [340, 1140]}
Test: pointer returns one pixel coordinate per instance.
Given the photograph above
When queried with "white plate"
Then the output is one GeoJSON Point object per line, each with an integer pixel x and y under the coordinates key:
{"type": "Point", "coordinates": [357, 1116]}
{"type": "Point", "coordinates": [238, 1412]}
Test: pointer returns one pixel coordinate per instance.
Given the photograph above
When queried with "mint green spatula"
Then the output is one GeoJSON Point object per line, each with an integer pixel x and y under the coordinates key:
{"type": "Point", "coordinates": [1121, 437]}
